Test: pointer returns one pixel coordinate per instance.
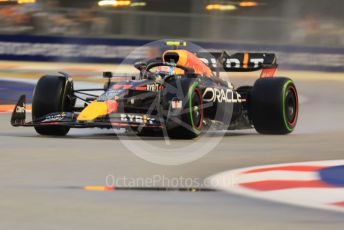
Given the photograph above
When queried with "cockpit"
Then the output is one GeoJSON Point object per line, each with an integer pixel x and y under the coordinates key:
{"type": "Point", "coordinates": [173, 62]}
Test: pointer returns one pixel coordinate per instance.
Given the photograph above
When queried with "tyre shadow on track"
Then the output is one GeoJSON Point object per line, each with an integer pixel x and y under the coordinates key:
{"type": "Point", "coordinates": [126, 136]}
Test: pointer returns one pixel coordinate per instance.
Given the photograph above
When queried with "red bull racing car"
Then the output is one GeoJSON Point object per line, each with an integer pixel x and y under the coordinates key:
{"type": "Point", "coordinates": [180, 93]}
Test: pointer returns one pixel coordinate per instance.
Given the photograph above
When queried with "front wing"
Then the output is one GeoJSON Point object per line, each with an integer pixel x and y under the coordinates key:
{"type": "Point", "coordinates": [69, 119]}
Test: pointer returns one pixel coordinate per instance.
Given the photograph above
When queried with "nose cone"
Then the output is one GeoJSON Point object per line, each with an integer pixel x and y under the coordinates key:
{"type": "Point", "coordinates": [97, 109]}
{"type": "Point", "coordinates": [93, 110]}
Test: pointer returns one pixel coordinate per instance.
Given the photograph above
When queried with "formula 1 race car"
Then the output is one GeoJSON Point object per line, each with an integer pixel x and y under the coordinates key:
{"type": "Point", "coordinates": [180, 93]}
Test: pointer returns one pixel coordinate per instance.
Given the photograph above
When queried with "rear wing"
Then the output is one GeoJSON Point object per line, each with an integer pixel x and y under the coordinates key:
{"type": "Point", "coordinates": [240, 62]}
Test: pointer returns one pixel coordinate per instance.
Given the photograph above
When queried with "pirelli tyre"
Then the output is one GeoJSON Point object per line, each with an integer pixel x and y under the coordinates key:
{"type": "Point", "coordinates": [191, 118]}
{"type": "Point", "coordinates": [52, 94]}
{"type": "Point", "coordinates": [274, 105]}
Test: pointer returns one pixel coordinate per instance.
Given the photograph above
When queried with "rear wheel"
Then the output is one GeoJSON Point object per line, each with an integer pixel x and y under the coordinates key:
{"type": "Point", "coordinates": [191, 119]}
{"type": "Point", "coordinates": [274, 105]}
{"type": "Point", "coordinates": [52, 94]}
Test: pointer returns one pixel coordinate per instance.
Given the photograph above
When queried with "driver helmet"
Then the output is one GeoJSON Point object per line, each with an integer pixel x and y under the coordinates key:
{"type": "Point", "coordinates": [165, 70]}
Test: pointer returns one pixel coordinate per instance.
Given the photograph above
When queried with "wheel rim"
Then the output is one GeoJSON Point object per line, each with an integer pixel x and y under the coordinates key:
{"type": "Point", "coordinates": [196, 109]}
{"type": "Point", "coordinates": [291, 106]}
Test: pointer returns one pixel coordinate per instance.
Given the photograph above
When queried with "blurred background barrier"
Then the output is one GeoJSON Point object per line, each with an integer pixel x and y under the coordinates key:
{"type": "Point", "coordinates": [305, 34]}
{"type": "Point", "coordinates": [292, 22]}
{"type": "Point", "coordinates": [114, 50]}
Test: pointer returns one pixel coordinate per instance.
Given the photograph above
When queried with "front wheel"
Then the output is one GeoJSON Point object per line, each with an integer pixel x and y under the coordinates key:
{"type": "Point", "coordinates": [52, 94]}
{"type": "Point", "coordinates": [274, 105]}
{"type": "Point", "coordinates": [190, 122]}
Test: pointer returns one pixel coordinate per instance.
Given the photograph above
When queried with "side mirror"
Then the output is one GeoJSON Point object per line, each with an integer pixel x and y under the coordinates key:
{"type": "Point", "coordinates": [140, 65]}
{"type": "Point", "coordinates": [108, 75]}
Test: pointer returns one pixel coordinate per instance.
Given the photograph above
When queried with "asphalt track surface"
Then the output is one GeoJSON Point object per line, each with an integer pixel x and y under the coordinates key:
{"type": "Point", "coordinates": [41, 178]}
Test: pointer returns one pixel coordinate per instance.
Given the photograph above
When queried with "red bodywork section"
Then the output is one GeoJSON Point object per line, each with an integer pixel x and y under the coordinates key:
{"type": "Point", "coordinates": [187, 59]}
{"type": "Point", "coordinates": [268, 72]}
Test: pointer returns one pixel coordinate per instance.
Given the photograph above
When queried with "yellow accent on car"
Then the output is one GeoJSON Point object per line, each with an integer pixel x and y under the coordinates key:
{"type": "Point", "coordinates": [175, 43]}
{"type": "Point", "coordinates": [93, 110]}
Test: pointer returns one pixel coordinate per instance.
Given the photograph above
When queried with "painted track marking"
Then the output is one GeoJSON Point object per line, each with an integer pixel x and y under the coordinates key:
{"type": "Point", "coordinates": [295, 183]}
